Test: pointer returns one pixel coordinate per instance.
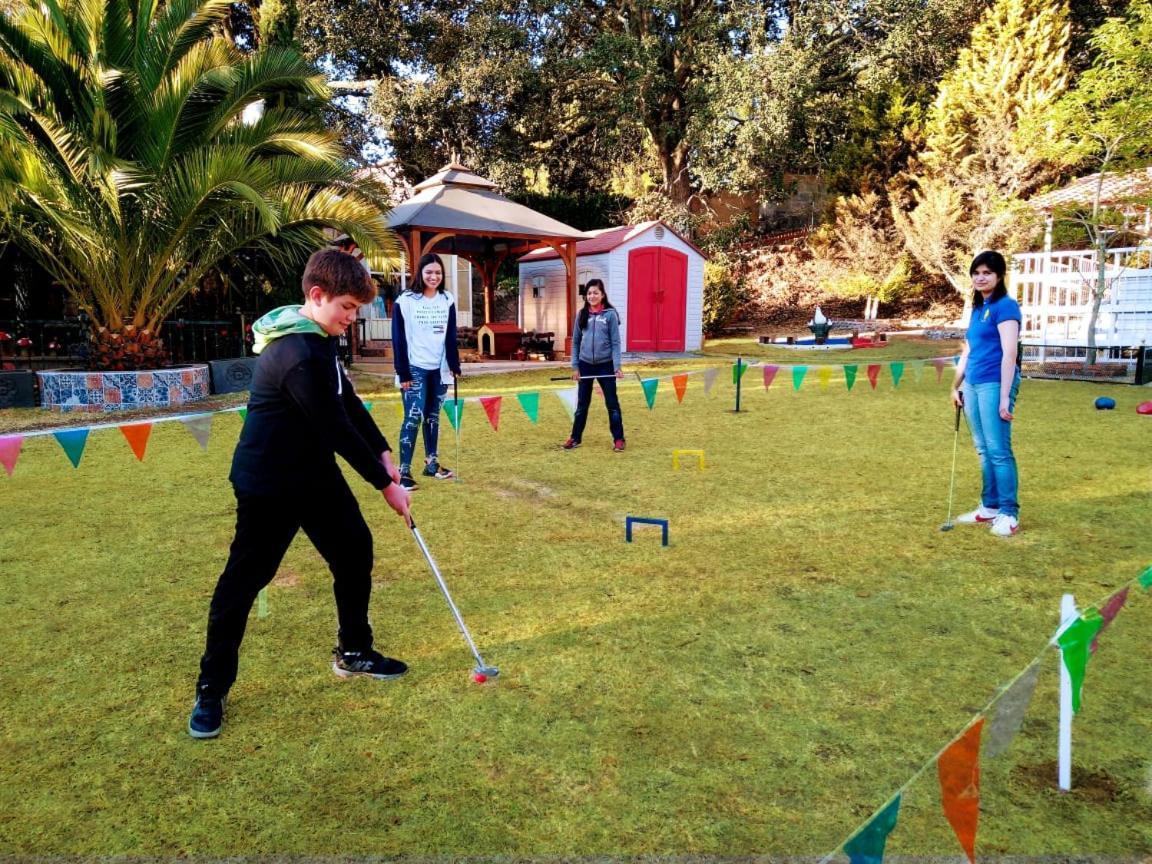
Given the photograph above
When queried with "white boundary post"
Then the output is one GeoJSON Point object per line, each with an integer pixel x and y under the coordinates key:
{"type": "Point", "coordinates": [1068, 614]}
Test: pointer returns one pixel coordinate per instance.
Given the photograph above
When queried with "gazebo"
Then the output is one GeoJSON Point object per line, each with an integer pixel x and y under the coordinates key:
{"type": "Point", "coordinates": [461, 213]}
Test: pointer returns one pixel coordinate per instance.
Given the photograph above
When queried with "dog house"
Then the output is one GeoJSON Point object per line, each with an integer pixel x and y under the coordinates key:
{"type": "Point", "coordinates": [499, 339]}
{"type": "Point", "coordinates": [653, 276]}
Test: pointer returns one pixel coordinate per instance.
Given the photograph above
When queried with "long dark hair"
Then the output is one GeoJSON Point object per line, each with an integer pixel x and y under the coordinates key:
{"type": "Point", "coordinates": [418, 286]}
{"type": "Point", "coordinates": [582, 319]}
{"type": "Point", "coordinates": [995, 262]}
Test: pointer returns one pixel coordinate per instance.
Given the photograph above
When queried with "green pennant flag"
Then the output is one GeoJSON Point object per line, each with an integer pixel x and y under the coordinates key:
{"type": "Point", "coordinates": [739, 370]}
{"type": "Point", "coordinates": [798, 373]}
{"type": "Point", "coordinates": [917, 367]}
{"type": "Point", "coordinates": [262, 603]}
{"type": "Point", "coordinates": [73, 441]}
{"type": "Point", "coordinates": [867, 847]}
{"type": "Point", "coordinates": [1075, 643]}
{"type": "Point", "coordinates": [243, 414]}
{"type": "Point", "coordinates": [1146, 579]}
{"type": "Point", "coordinates": [897, 370]}
{"type": "Point", "coordinates": [454, 408]}
{"type": "Point", "coordinates": [530, 402]}
{"type": "Point", "coordinates": [850, 375]}
{"type": "Point", "coordinates": [367, 405]}
{"type": "Point", "coordinates": [650, 385]}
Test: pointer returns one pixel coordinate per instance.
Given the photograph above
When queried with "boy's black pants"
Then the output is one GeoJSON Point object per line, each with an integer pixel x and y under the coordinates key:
{"type": "Point", "coordinates": [265, 526]}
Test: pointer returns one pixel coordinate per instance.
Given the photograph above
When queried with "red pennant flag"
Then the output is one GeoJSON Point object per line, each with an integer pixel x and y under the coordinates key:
{"type": "Point", "coordinates": [680, 382]}
{"type": "Point", "coordinates": [959, 769]}
{"type": "Point", "coordinates": [10, 452]}
{"type": "Point", "coordinates": [137, 435]}
{"type": "Point", "coordinates": [873, 374]}
{"type": "Point", "coordinates": [1109, 611]}
{"type": "Point", "coordinates": [492, 409]}
{"type": "Point", "coordinates": [769, 374]}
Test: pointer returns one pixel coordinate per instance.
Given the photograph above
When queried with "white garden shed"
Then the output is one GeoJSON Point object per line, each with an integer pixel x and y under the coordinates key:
{"type": "Point", "coordinates": [653, 276]}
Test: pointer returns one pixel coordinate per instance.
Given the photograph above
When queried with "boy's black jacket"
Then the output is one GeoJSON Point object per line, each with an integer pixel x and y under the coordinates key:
{"type": "Point", "coordinates": [301, 412]}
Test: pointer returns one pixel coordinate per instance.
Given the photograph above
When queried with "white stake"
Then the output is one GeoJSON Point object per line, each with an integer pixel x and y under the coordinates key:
{"type": "Point", "coordinates": [1068, 614]}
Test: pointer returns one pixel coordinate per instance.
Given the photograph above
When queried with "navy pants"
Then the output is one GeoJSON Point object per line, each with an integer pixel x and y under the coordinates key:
{"type": "Point", "coordinates": [265, 526]}
{"type": "Point", "coordinates": [584, 399]}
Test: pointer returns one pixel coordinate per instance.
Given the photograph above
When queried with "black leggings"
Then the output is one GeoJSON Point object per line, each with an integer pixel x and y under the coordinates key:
{"type": "Point", "coordinates": [584, 399]}
{"type": "Point", "coordinates": [265, 526]}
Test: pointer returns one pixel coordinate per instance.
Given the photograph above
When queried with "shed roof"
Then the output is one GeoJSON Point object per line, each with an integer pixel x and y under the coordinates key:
{"type": "Point", "coordinates": [606, 239]}
{"type": "Point", "coordinates": [456, 200]}
{"type": "Point", "coordinates": [1118, 188]}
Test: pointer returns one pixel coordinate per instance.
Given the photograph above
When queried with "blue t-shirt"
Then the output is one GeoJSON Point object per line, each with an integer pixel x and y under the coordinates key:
{"type": "Point", "coordinates": [984, 351]}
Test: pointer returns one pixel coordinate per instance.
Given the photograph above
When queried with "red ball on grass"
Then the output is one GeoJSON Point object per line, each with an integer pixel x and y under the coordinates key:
{"type": "Point", "coordinates": [479, 677]}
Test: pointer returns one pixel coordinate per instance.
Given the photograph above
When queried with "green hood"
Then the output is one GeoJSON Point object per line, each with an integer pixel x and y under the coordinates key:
{"type": "Point", "coordinates": [281, 322]}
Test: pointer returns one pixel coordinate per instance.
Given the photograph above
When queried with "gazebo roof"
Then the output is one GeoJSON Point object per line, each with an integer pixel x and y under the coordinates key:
{"type": "Point", "coordinates": [1119, 188]}
{"type": "Point", "coordinates": [458, 202]}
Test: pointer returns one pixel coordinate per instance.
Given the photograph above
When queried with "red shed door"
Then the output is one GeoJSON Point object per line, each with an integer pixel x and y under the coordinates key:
{"type": "Point", "coordinates": [657, 299]}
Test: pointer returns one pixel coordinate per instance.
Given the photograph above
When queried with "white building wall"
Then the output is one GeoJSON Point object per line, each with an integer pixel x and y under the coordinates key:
{"type": "Point", "coordinates": [549, 312]}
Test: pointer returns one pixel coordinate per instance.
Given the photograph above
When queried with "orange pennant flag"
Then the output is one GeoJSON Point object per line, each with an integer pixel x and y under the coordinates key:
{"type": "Point", "coordinates": [959, 769]}
{"type": "Point", "coordinates": [873, 374]}
{"type": "Point", "coordinates": [492, 409]}
{"type": "Point", "coordinates": [137, 435]}
{"type": "Point", "coordinates": [680, 382]}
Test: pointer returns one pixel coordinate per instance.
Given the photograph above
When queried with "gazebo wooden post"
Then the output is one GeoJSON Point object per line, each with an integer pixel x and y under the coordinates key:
{"type": "Point", "coordinates": [413, 251]}
{"type": "Point", "coordinates": [569, 257]}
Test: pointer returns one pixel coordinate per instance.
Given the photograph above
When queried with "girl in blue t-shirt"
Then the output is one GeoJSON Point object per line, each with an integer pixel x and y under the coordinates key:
{"type": "Point", "coordinates": [987, 381]}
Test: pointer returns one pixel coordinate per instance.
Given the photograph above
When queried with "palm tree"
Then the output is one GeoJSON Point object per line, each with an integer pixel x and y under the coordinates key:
{"type": "Point", "coordinates": [128, 169]}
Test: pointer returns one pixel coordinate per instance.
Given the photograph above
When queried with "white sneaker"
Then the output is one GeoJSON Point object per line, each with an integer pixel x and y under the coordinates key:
{"type": "Point", "coordinates": [1005, 526]}
{"type": "Point", "coordinates": [980, 515]}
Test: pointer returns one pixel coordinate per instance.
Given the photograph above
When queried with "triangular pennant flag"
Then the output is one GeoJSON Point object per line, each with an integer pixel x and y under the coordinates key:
{"type": "Point", "coordinates": [367, 404]}
{"type": "Point", "coordinates": [1107, 612]}
{"type": "Point", "coordinates": [73, 441]}
{"type": "Point", "coordinates": [824, 375]}
{"type": "Point", "coordinates": [867, 846]}
{"type": "Point", "coordinates": [897, 370]}
{"type": "Point", "coordinates": [873, 374]}
{"type": "Point", "coordinates": [200, 428]}
{"type": "Point", "coordinates": [959, 771]}
{"type": "Point", "coordinates": [243, 413]}
{"type": "Point", "coordinates": [709, 379]}
{"type": "Point", "coordinates": [739, 370]}
{"type": "Point", "coordinates": [939, 363]}
{"type": "Point", "coordinates": [917, 367]}
{"type": "Point", "coordinates": [454, 408]}
{"type": "Point", "coordinates": [1074, 643]}
{"type": "Point", "coordinates": [10, 452]}
{"type": "Point", "coordinates": [850, 375]}
{"type": "Point", "coordinates": [568, 397]}
{"type": "Point", "coordinates": [798, 373]}
{"type": "Point", "coordinates": [680, 385]}
{"type": "Point", "coordinates": [1009, 711]}
{"type": "Point", "coordinates": [650, 385]}
{"type": "Point", "coordinates": [769, 375]}
{"type": "Point", "coordinates": [530, 402]}
{"type": "Point", "coordinates": [1145, 579]}
{"type": "Point", "coordinates": [137, 435]}
{"type": "Point", "coordinates": [491, 406]}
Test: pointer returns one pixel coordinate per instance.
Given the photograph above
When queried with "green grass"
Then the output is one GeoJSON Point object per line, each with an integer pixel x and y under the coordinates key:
{"type": "Point", "coordinates": [805, 644]}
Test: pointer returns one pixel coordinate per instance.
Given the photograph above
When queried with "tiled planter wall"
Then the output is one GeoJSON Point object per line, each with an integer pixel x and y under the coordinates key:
{"type": "Point", "coordinates": [118, 391]}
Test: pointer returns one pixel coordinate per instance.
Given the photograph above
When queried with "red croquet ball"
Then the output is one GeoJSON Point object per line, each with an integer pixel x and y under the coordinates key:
{"type": "Point", "coordinates": [1144, 408]}
{"type": "Point", "coordinates": [479, 677]}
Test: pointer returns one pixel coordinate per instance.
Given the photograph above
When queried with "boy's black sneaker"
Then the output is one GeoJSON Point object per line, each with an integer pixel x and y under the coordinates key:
{"type": "Point", "coordinates": [370, 663]}
{"type": "Point", "coordinates": [407, 482]}
{"type": "Point", "coordinates": [207, 715]}
{"type": "Point", "coordinates": [435, 469]}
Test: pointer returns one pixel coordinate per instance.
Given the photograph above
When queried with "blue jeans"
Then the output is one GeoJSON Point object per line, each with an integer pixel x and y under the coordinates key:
{"type": "Point", "coordinates": [584, 399]}
{"type": "Point", "coordinates": [422, 403]}
{"type": "Point", "coordinates": [993, 439]}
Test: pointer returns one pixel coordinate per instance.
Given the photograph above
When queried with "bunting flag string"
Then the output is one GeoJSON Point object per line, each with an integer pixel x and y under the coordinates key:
{"type": "Point", "coordinates": [491, 405]}
{"type": "Point", "coordinates": [958, 762]}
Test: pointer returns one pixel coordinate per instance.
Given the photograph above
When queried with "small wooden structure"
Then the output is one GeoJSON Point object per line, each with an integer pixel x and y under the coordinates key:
{"type": "Point", "coordinates": [461, 213]}
{"type": "Point", "coordinates": [499, 339]}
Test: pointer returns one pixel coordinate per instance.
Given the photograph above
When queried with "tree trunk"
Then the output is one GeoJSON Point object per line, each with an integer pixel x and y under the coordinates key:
{"type": "Point", "coordinates": [677, 183]}
{"type": "Point", "coordinates": [126, 349]}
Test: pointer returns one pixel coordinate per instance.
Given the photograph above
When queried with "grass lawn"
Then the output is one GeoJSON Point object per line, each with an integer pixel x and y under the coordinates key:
{"type": "Point", "coordinates": [806, 643]}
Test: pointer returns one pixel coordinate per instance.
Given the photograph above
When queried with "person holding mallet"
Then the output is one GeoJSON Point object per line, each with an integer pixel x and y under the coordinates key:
{"type": "Point", "coordinates": [302, 412]}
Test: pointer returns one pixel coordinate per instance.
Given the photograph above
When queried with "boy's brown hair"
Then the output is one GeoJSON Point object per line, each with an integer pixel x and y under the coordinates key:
{"type": "Point", "coordinates": [336, 273]}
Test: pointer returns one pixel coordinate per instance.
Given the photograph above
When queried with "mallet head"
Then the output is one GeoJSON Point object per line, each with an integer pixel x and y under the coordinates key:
{"type": "Point", "coordinates": [948, 526]}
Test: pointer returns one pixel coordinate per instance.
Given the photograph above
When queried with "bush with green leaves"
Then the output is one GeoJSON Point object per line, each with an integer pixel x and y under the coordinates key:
{"type": "Point", "coordinates": [723, 294]}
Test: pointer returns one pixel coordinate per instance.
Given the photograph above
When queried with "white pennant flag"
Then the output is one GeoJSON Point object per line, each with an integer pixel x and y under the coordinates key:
{"type": "Point", "coordinates": [200, 427]}
{"type": "Point", "coordinates": [568, 397]}
{"type": "Point", "coordinates": [710, 379]}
